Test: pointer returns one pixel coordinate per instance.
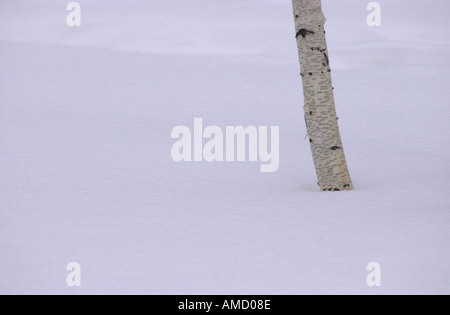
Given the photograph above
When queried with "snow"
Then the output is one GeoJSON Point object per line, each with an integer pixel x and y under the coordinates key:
{"type": "Point", "coordinates": [86, 175]}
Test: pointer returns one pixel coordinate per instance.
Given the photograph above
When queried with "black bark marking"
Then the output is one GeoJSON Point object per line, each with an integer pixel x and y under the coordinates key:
{"type": "Point", "coordinates": [326, 58]}
{"type": "Point", "coordinates": [310, 141]}
{"type": "Point", "coordinates": [318, 49]}
{"type": "Point", "coordinates": [310, 73]}
{"type": "Point", "coordinates": [336, 148]}
{"type": "Point", "coordinates": [346, 185]}
{"type": "Point", "coordinates": [303, 32]}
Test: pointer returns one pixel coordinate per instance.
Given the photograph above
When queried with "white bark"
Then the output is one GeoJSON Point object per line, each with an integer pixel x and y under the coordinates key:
{"type": "Point", "coordinates": [320, 111]}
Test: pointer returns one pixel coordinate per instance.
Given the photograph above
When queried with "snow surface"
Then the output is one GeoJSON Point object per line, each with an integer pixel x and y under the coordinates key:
{"type": "Point", "coordinates": [86, 173]}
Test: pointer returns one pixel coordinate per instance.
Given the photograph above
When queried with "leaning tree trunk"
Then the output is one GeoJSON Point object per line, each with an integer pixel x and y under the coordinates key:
{"type": "Point", "coordinates": [320, 110]}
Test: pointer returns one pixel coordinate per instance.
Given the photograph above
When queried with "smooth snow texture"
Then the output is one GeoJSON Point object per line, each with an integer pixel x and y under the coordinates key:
{"type": "Point", "coordinates": [86, 172]}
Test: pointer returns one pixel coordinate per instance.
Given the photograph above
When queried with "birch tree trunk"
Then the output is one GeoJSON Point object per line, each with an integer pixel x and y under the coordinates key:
{"type": "Point", "coordinates": [320, 111]}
